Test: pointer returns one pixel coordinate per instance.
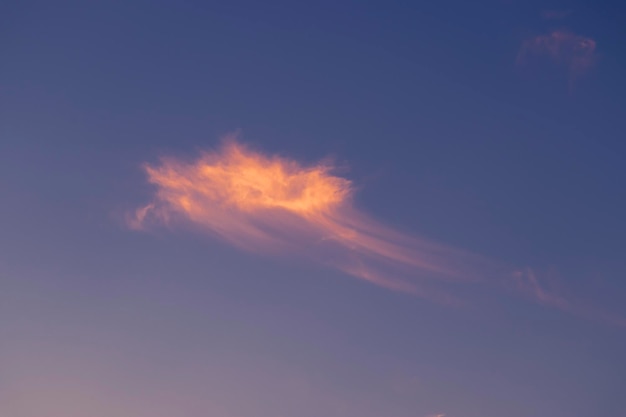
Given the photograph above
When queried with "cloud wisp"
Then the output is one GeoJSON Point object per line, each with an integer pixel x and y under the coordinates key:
{"type": "Point", "coordinates": [275, 205]}
{"type": "Point", "coordinates": [576, 53]}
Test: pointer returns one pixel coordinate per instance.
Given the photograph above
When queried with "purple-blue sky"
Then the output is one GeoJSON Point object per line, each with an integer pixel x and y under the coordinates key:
{"type": "Point", "coordinates": [492, 128]}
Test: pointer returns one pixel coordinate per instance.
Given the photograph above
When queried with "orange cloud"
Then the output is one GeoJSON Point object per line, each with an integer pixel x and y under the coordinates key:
{"type": "Point", "coordinates": [274, 205]}
{"type": "Point", "coordinates": [577, 53]}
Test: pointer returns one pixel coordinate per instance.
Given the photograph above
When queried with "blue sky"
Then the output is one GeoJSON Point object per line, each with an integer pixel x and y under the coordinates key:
{"type": "Point", "coordinates": [491, 127]}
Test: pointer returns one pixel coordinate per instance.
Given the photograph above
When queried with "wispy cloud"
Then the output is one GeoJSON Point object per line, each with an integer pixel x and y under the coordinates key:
{"type": "Point", "coordinates": [576, 53]}
{"type": "Point", "coordinates": [543, 291]}
{"type": "Point", "coordinates": [275, 205]}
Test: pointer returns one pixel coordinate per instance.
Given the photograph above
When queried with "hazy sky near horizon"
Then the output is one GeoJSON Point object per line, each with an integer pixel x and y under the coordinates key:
{"type": "Point", "coordinates": [418, 210]}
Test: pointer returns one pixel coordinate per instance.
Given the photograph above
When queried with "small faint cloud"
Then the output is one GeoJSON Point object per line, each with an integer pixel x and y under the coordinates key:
{"type": "Point", "coordinates": [543, 289]}
{"type": "Point", "coordinates": [574, 52]}
{"type": "Point", "coordinates": [555, 14]}
{"type": "Point", "coordinates": [527, 283]}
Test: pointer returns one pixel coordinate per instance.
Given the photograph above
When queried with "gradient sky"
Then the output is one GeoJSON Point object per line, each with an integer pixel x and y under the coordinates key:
{"type": "Point", "coordinates": [494, 128]}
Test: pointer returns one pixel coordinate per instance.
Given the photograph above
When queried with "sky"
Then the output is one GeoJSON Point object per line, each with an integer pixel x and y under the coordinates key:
{"type": "Point", "coordinates": [304, 209]}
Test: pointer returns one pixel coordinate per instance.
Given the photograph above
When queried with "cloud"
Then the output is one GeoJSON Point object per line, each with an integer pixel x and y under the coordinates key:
{"type": "Point", "coordinates": [275, 205]}
{"type": "Point", "coordinates": [528, 284]}
{"type": "Point", "coordinates": [555, 14]}
{"type": "Point", "coordinates": [576, 53]}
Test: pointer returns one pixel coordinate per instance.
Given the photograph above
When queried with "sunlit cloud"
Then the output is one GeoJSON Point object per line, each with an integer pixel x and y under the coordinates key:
{"type": "Point", "coordinates": [275, 205]}
{"type": "Point", "coordinates": [576, 53]}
